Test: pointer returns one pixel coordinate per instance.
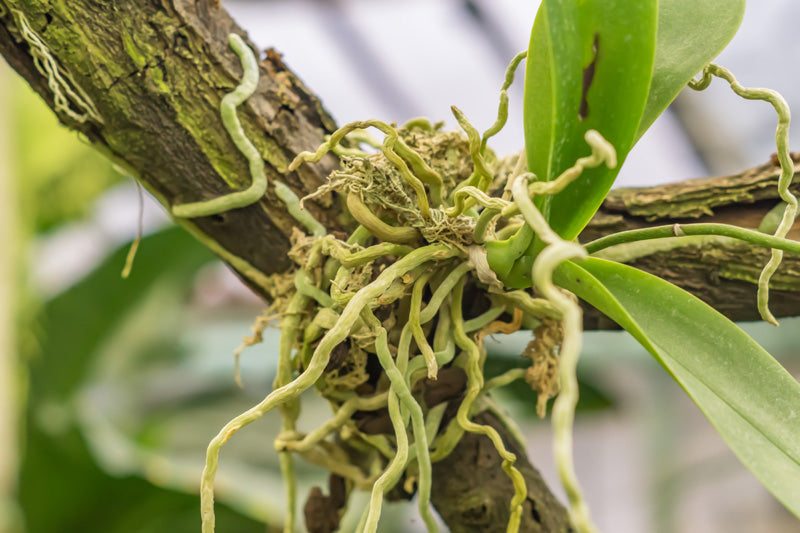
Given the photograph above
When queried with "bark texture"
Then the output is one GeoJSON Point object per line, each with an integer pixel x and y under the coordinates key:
{"type": "Point", "coordinates": [156, 72]}
{"type": "Point", "coordinates": [724, 276]}
{"type": "Point", "coordinates": [475, 500]}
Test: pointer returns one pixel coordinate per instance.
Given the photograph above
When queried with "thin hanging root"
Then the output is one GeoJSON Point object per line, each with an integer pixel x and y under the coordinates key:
{"type": "Point", "coordinates": [126, 270]}
{"type": "Point", "coordinates": [502, 110]}
{"type": "Point", "coordinates": [474, 386]}
{"type": "Point", "coordinates": [289, 478]}
{"type": "Point", "coordinates": [389, 478]}
{"type": "Point", "coordinates": [316, 366]}
{"type": "Point", "coordinates": [409, 404]}
{"type": "Point", "coordinates": [290, 324]}
{"type": "Point", "coordinates": [64, 88]}
{"type": "Point", "coordinates": [564, 407]}
{"type": "Point", "coordinates": [396, 151]}
{"type": "Point", "coordinates": [556, 252]}
{"type": "Point", "coordinates": [787, 170]}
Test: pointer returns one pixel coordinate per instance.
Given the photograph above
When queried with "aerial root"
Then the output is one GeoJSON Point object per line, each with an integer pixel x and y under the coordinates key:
{"type": "Point", "coordinates": [401, 392]}
{"type": "Point", "coordinates": [787, 170]}
{"type": "Point", "coordinates": [472, 367]}
{"type": "Point", "coordinates": [397, 152]}
{"type": "Point", "coordinates": [502, 110]}
{"type": "Point", "coordinates": [316, 366]}
{"type": "Point", "coordinates": [66, 91]}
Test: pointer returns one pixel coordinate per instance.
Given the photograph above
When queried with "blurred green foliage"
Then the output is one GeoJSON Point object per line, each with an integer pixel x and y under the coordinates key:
{"type": "Point", "coordinates": [60, 178]}
{"type": "Point", "coordinates": [62, 486]}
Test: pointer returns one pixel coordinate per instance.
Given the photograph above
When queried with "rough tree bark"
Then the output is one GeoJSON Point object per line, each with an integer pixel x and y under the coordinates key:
{"type": "Point", "coordinates": [724, 275]}
{"type": "Point", "coordinates": [156, 70]}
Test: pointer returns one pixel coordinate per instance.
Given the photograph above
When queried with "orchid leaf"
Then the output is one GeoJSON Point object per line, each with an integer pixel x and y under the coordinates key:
{"type": "Point", "coordinates": [690, 35]}
{"type": "Point", "coordinates": [589, 67]}
{"type": "Point", "coordinates": [752, 401]}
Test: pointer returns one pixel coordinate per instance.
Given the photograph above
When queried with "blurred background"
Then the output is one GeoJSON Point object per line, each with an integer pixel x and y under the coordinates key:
{"type": "Point", "coordinates": [110, 389]}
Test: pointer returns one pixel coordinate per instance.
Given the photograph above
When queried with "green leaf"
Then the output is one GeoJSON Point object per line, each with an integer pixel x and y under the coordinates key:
{"type": "Point", "coordinates": [589, 67]}
{"type": "Point", "coordinates": [690, 35]}
{"type": "Point", "coordinates": [747, 395]}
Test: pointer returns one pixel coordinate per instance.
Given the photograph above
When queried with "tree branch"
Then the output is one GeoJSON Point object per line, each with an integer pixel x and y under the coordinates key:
{"type": "Point", "coordinates": [724, 275]}
{"type": "Point", "coordinates": [156, 72]}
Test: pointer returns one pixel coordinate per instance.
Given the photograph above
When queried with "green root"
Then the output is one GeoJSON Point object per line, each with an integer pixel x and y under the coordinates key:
{"type": "Point", "coordinates": [401, 391]}
{"type": "Point", "coordinates": [787, 171]}
{"type": "Point", "coordinates": [502, 110]}
{"type": "Point", "coordinates": [397, 152]}
{"type": "Point", "coordinates": [316, 366]}
{"type": "Point", "coordinates": [233, 126]}
{"type": "Point", "coordinates": [474, 386]}
{"type": "Point", "coordinates": [258, 185]}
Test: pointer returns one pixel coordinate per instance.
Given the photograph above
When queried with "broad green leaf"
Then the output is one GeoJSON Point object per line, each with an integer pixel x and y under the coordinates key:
{"type": "Point", "coordinates": [589, 67]}
{"type": "Point", "coordinates": [747, 395]}
{"type": "Point", "coordinates": [690, 35]}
